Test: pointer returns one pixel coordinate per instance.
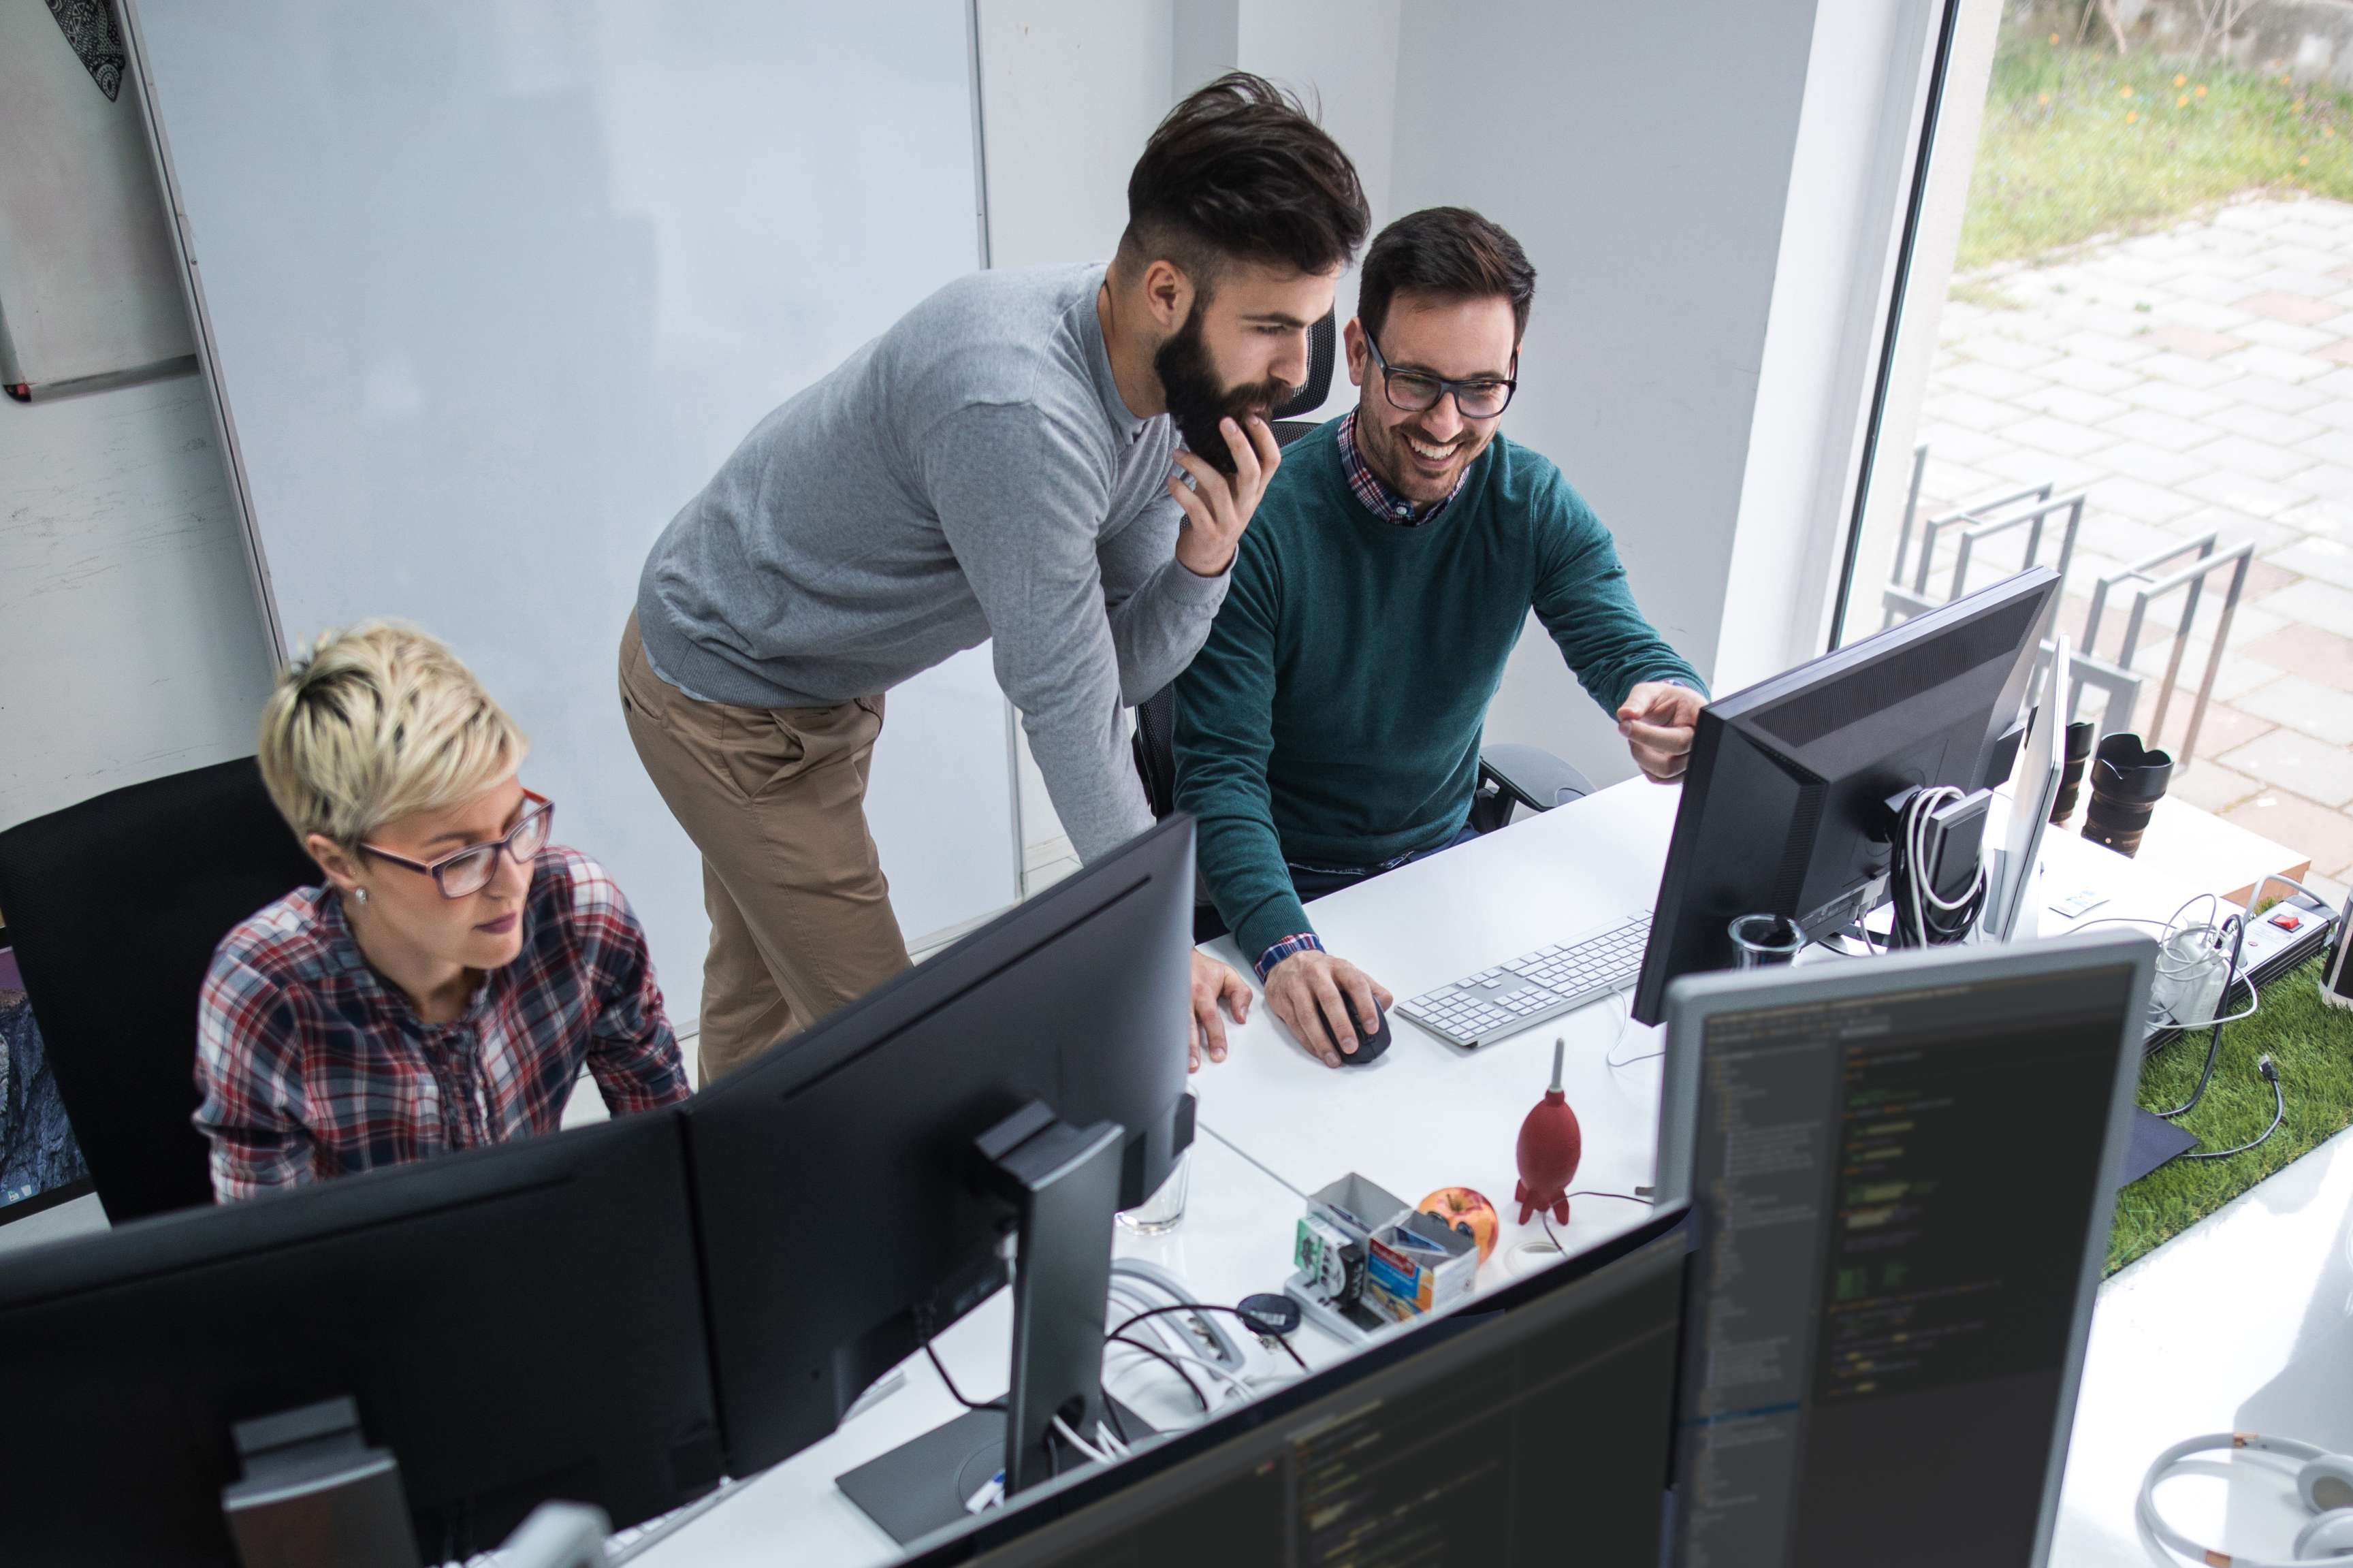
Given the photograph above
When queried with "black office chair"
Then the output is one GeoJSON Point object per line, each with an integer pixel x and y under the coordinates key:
{"type": "Point", "coordinates": [1509, 776]}
{"type": "Point", "coordinates": [115, 906]}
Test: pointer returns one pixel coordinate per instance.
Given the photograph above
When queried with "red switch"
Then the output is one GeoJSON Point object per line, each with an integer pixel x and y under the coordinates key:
{"type": "Point", "coordinates": [2287, 921]}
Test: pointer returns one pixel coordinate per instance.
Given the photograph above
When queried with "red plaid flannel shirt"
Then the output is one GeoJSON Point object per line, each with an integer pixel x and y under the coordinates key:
{"type": "Point", "coordinates": [312, 1065]}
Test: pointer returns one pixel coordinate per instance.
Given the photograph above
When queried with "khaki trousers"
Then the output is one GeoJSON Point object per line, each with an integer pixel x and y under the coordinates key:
{"type": "Point", "coordinates": [776, 800]}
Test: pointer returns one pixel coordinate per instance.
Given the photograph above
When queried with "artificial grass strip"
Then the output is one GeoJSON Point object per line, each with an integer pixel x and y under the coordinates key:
{"type": "Point", "coordinates": [2311, 1042]}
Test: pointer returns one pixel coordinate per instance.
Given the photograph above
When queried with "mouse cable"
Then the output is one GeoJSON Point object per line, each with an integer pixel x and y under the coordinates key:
{"type": "Point", "coordinates": [1625, 1023]}
{"type": "Point", "coordinates": [954, 1391]}
{"type": "Point", "coordinates": [2264, 1065]}
{"type": "Point", "coordinates": [1131, 1320]}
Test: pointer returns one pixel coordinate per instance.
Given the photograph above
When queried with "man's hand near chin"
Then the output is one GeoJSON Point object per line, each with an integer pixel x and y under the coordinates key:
{"type": "Point", "coordinates": [1658, 718]}
{"type": "Point", "coordinates": [1311, 990]}
{"type": "Point", "coordinates": [1213, 984]}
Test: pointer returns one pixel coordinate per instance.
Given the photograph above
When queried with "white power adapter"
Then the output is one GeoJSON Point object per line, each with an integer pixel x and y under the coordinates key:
{"type": "Point", "coordinates": [2192, 971]}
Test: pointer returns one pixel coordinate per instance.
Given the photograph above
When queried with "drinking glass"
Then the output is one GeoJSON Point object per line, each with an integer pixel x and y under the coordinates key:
{"type": "Point", "coordinates": [1761, 941]}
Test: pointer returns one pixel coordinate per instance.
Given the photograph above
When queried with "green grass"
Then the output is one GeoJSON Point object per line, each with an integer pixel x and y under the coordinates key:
{"type": "Point", "coordinates": [2312, 1045]}
{"type": "Point", "coordinates": [2079, 142]}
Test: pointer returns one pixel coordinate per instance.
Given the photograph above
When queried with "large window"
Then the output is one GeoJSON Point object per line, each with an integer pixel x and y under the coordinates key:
{"type": "Point", "coordinates": [2145, 301]}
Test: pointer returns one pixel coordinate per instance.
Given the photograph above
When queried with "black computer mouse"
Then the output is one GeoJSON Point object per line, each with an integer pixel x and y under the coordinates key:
{"type": "Point", "coordinates": [1369, 1046]}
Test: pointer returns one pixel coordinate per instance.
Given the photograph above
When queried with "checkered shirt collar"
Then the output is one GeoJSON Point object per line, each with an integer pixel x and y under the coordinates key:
{"type": "Point", "coordinates": [1373, 491]}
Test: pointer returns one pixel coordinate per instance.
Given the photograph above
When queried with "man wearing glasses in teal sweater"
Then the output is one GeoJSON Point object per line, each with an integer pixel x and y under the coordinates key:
{"type": "Point", "coordinates": [1328, 730]}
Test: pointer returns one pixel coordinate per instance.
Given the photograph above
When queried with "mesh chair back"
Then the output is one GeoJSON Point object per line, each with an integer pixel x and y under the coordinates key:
{"type": "Point", "coordinates": [115, 906]}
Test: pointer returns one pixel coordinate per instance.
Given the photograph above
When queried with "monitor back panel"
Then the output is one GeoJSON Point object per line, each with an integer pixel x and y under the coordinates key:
{"type": "Point", "coordinates": [516, 1324]}
{"type": "Point", "coordinates": [839, 1191]}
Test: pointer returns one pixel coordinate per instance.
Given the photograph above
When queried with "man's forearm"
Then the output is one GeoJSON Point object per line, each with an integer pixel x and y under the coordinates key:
{"type": "Point", "coordinates": [1091, 780]}
{"type": "Point", "coordinates": [1157, 630]}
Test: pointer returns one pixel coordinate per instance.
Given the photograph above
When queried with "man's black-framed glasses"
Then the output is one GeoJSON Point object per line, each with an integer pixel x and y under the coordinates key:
{"type": "Point", "coordinates": [461, 873]}
{"type": "Point", "coordinates": [1413, 391]}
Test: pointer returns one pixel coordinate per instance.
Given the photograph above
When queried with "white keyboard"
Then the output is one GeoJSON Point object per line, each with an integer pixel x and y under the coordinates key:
{"type": "Point", "coordinates": [1481, 1008]}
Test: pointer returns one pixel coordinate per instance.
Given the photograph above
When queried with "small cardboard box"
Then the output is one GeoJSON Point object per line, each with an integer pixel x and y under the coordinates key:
{"type": "Point", "coordinates": [1417, 1263]}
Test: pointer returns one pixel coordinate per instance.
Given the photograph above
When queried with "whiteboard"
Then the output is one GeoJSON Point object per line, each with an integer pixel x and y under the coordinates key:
{"type": "Point", "coordinates": [88, 285]}
{"type": "Point", "coordinates": [491, 288]}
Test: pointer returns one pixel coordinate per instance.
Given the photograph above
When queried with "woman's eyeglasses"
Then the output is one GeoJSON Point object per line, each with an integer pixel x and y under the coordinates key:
{"type": "Point", "coordinates": [464, 872]}
{"type": "Point", "coordinates": [1412, 391]}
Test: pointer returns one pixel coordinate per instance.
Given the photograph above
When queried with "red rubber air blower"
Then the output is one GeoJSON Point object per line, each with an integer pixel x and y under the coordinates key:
{"type": "Point", "coordinates": [1551, 1145]}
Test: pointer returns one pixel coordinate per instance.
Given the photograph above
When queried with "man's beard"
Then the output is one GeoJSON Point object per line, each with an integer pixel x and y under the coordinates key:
{"type": "Point", "coordinates": [1196, 400]}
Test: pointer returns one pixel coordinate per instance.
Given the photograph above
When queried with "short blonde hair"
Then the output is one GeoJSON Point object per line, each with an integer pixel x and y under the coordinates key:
{"type": "Point", "coordinates": [377, 722]}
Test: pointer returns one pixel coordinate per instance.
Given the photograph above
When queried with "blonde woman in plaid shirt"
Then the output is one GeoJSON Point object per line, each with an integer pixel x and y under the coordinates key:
{"type": "Point", "coordinates": [456, 971]}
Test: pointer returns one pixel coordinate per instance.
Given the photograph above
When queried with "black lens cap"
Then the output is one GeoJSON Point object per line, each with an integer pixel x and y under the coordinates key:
{"type": "Point", "coordinates": [1269, 1314]}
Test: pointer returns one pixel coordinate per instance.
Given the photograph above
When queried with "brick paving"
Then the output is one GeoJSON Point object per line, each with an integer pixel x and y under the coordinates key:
{"type": "Point", "coordinates": [2196, 380]}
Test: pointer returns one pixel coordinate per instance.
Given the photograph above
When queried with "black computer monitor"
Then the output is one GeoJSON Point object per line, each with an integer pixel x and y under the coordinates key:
{"type": "Point", "coordinates": [1530, 1427]}
{"type": "Point", "coordinates": [1784, 806]}
{"type": "Point", "coordinates": [514, 1324]}
{"type": "Point", "coordinates": [1902, 1172]}
{"type": "Point", "coordinates": [846, 1208]}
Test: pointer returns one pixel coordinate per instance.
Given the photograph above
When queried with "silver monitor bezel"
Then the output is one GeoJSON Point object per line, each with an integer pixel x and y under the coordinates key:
{"type": "Point", "coordinates": [1694, 1000]}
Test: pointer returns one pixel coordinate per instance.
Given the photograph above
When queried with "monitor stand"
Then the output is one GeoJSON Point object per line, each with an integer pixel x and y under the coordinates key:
{"type": "Point", "coordinates": [313, 1491]}
{"type": "Point", "coordinates": [1064, 1184]}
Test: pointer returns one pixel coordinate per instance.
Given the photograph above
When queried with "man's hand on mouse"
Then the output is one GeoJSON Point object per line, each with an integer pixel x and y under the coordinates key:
{"type": "Point", "coordinates": [1310, 989]}
{"type": "Point", "coordinates": [1658, 720]}
{"type": "Point", "coordinates": [1213, 982]}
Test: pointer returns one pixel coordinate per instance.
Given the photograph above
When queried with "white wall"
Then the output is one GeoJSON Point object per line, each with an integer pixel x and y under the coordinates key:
{"type": "Point", "coordinates": [1850, 178]}
{"type": "Point", "coordinates": [1642, 154]}
{"type": "Point", "coordinates": [1341, 57]}
{"type": "Point", "coordinates": [1069, 90]}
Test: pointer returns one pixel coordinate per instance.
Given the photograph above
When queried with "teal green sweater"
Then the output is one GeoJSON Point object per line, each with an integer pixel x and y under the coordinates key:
{"type": "Point", "coordinates": [1334, 715]}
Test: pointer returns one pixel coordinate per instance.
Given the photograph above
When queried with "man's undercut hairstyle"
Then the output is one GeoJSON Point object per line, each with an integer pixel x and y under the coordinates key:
{"type": "Point", "coordinates": [375, 724]}
{"type": "Point", "coordinates": [1240, 171]}
{"type": "Point", "coordinates": [1448, 253]}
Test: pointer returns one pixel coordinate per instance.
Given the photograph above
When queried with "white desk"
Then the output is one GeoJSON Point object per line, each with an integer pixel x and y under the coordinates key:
{"type": "Point", "coordinates": [1235, 1239]}
{"type": "Point", "coordinates": [1430, 1115]}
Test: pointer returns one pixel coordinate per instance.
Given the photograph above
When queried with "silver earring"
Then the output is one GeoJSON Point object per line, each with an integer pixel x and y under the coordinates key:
{"type": "Point", "coordinates": [359, 895]}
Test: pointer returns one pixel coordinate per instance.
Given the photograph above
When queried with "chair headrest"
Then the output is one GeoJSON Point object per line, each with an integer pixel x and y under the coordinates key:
{"type": "Point", "coordinates": [1323, 340]}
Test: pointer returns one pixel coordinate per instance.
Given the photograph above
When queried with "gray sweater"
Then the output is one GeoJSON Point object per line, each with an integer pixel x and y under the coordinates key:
{"type": "Point", "coordinates": [971, 474]}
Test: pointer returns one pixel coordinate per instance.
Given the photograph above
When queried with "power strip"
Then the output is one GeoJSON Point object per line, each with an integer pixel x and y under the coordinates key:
{"type": "Point", "coordinates": [2278, 939]}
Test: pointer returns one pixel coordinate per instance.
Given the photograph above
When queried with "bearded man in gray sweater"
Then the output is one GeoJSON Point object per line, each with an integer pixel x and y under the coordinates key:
{"type": "Point", "coordinates": [1002, 464]}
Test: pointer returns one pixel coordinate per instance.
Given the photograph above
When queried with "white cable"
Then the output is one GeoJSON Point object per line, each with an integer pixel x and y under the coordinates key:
{"type": "Point", "coordinates": [1625, 1023]}
{"type": "Point", "coordinates": [1233, 1380]}
{"type": "Point", "coordinates": [1919, 881]}
{"type": "Point", "coordinates": [2167, 930]}
{"type": "Point", "coordinates": [1165, 1327]}
{"type": "Point", "coordinates": [1080, 1444]}
{"type": "Point", "coordinates": [1111, 1440]}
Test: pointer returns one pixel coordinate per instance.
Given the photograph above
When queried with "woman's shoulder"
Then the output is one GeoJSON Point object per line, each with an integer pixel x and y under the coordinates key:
{"type": "Point", "coordinates": [287, 941]}
{"type": "Point", "coordinates": [576, 890]}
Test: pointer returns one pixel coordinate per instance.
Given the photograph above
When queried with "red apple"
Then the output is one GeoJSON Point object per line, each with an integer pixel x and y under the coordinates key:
{"type": "Point", "coordinates": [1468, 1212]}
